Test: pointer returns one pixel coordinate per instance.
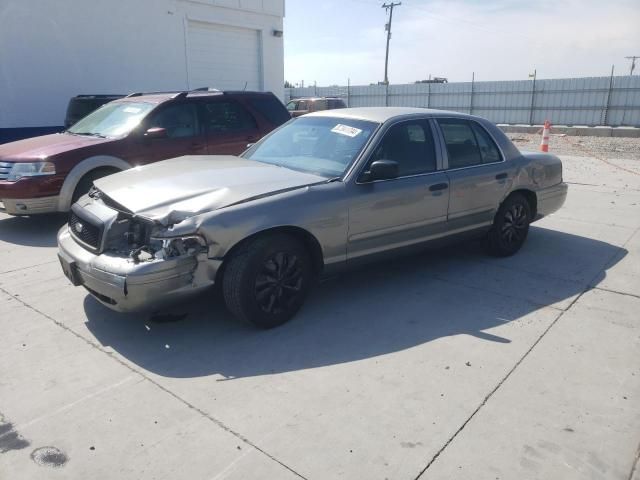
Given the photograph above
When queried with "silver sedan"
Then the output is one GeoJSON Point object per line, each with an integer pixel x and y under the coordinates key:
{"type": "Point", "coordinates": [321, 193]}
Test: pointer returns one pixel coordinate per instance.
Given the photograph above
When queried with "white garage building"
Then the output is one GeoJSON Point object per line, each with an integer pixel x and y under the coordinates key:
{"type": "Point", "coordinates": [53, 50]}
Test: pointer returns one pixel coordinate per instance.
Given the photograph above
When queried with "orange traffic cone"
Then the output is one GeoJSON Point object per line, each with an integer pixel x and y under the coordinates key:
{"type": "Point", "coordinates": [544, 145]}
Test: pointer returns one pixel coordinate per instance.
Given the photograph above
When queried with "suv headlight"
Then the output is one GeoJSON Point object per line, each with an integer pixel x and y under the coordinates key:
{"type": "Point", "coordinates": [30, 169]}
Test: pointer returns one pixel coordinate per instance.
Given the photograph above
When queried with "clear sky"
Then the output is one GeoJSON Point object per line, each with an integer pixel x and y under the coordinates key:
{"type": "Point", "coordinates": [329, 41]}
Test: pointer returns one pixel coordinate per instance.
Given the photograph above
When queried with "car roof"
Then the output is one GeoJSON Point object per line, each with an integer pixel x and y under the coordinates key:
{"type": "Point", "coordinates": [160, 97]}
{"type": "Point", "coordinates": [384, 114]}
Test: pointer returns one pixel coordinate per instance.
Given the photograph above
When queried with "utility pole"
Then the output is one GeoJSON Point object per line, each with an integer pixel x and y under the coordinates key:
{"type": "Point", "coordinates": [633, 59]}
{"type": "Point", "coordinates": [388, 8]}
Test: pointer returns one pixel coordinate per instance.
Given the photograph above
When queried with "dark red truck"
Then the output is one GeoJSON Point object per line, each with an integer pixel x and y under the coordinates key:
{"type": "Point", "coordinates": [49, 173]}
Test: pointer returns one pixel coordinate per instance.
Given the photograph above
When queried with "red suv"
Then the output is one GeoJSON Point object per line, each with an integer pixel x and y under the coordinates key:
{"type": "Point", "coordinates": [49, 173]}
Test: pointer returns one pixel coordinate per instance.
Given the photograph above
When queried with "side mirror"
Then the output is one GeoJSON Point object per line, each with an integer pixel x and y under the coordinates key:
{"type": "Point", "coordinates": [382, 170]}
{"type": "Point", "coordinates": [156, 132]}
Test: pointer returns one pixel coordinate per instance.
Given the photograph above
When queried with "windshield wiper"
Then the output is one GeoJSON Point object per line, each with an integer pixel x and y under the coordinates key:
{"type": "Point", "coordinates": [89, 134]}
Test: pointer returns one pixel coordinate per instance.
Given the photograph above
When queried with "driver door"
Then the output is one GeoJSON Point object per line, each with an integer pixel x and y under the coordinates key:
{"type": "Point", "coordinates": [388, 214]}
{"type": "Point", "coordinates": [184, 135]}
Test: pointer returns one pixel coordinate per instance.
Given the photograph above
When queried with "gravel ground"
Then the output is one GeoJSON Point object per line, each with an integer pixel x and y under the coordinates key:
{"type": "Point", "coordinates": [604, 147]}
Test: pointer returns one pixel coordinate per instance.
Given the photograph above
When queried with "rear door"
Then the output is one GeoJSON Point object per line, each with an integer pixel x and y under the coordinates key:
{"type": "Point", "coordinates": [229, 126]}
{"type": "Point", "coordinates": [387, 214]}
{"type": "Point", "coordinates": [477, 172]}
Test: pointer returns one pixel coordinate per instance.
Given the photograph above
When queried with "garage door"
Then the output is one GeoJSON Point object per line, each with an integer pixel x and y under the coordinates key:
{"type": "Point", "coordinates": [224, 57]}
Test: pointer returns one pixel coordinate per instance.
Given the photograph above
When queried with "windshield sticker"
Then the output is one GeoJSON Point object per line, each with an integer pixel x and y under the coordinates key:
{"type": "Point", "coordinates": [131, 110]}
{"type": "Point", "coordinates": [346, 130]}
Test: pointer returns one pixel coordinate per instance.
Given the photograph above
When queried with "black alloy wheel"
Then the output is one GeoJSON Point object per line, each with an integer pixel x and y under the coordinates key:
{"type": "Point", "coordinates": [279, 283]}
{"type": "Point", "coordinates": [514, 224]}
{"type": "Point", "coordinates": [510, 226]}
{"type": "Point", "coordinates": [266, 280]}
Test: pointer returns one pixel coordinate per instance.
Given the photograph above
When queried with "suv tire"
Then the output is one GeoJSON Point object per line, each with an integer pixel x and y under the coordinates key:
{"type": "Point", "coordinates": [85, 183]}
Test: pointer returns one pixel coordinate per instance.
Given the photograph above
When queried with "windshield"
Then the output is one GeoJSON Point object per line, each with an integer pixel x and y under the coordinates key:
{"type": "Point", "coordinates": [112, 120]}
{"type": "Point", "coordinates": [321, 145]}
{"type": "Point", "coordinates": [291, 106]}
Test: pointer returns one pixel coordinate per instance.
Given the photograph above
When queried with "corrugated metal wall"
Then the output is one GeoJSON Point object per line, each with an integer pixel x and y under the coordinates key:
{"type": "Point", "coordinates": [613, 101]}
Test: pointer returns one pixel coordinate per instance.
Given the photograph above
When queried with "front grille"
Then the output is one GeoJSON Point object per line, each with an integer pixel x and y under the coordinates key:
{"type": "Point", "coordinates": [5, 168]}
{"type": "Point", "coordinates": [85, 231]}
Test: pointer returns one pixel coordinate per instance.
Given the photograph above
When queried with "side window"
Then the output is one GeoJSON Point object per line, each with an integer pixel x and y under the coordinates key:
{"type": "Point", "coordinates": [411, 145]}
{"type": "Point", "coordinates": [180, 121]}
{"type": "Point", "coordinates": [291, 105]}
{"type": "Point", "coordinates": [319, 105]}
{"type": "Point", "coordinates": [303, 105]}
{"type": "Point", "coordinates": [271, 109]}
{"type": "Point", "coordinates": [488, 149]}
{"type": "Point", "coordinates": [462, 147]}
{"type": "Point", "coordinates": [227, 116]}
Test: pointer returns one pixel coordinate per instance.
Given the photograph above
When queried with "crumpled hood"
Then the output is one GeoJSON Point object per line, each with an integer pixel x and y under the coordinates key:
{"type": "Point", "coordinates": [172, 190]}
{"type": "Point", "coordinates": [46, 146]}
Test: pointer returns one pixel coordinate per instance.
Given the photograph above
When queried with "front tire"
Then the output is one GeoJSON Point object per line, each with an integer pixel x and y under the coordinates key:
{"type": "Point", "coordinates": [266, 281]}
{"type": "Point", "coordinates": [510, 226]}
{"type": "Point", "coordinates": [86, 182]}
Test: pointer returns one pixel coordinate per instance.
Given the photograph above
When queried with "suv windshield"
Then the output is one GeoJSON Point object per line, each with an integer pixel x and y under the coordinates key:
{"type": "Point", "coordinates": [322, 145]}
{"type": "Point", "coordinates": [113, 119]}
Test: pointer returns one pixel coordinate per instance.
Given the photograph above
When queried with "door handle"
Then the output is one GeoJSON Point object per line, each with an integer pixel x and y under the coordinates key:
{"type": "Point", "coordinates": [197, 145]}
{"type": "Point", "coordinates": [438, 186]}
{"type": "Point", "coordinates": [252, 138]}
{"type": "Point", "coordinates": [501, 176]}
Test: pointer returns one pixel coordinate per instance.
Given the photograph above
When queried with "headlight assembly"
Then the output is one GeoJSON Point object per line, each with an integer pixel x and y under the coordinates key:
{"type": "Point", "coordinates": [177, 246]}
{"type": "Point", "coordinates": [30, 169]}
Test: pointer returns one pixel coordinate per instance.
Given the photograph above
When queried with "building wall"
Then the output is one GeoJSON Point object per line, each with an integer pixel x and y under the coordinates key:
{"type": "Point", "coordinates": [53, 50]}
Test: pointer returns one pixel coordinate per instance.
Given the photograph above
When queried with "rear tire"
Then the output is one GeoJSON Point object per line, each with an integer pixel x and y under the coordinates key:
{"type": "Point", "coordinates": [510, 226]}
{"type": "Point", "coordinates": [266, 281]}
{"type": "Point", "coordinates": [86, 182]}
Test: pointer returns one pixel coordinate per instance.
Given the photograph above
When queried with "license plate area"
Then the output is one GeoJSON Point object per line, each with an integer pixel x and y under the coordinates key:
{"type": "Point", "coordinates": [70, 270]}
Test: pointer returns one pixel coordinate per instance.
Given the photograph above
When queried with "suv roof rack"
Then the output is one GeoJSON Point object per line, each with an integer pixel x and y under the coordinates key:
{"type": "Point", "coordinates": [176, 93]}
{"type": "Point", "coordinates": [99, 95]}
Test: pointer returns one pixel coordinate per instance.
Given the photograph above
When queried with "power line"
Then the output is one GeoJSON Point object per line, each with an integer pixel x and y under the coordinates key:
{"type": "Point", "coordinates": [633, 59]}
{"type": "Point", "coordinates": [388, 8]}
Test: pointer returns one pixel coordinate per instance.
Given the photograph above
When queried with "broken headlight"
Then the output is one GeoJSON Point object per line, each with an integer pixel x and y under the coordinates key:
{"type": "Point", "coordinates": [177, 246]}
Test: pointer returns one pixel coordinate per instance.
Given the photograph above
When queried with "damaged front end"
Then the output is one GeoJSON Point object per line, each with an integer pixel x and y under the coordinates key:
{"type": "Point", "coordinates": [130, 263]}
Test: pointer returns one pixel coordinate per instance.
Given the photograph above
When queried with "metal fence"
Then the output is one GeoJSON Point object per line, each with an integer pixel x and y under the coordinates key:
{"type": "Point", "coordinates": [611, 101]}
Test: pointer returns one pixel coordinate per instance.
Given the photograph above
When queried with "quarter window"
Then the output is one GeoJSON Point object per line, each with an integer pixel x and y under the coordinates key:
{"type": "Point", "coordinates": [227, 117]}
{"type": "Point", "coordinates": [411, 145]}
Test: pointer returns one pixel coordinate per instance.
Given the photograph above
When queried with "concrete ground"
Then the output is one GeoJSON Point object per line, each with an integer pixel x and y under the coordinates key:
{"type": "Point", "coordinates": [449, 365]}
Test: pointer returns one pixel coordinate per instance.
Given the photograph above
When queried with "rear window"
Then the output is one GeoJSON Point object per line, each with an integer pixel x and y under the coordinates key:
{"type": "Point", "coordinates": [271, 109]}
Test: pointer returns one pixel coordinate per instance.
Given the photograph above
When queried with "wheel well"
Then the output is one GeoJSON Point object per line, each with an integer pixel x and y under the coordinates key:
{"type": "Point", "coordinates": [303, 236]}
{"type": "Point", "coordinates": [105, 170]}
{"type": "Point", "coordinates": [531, 198]}
{"type": "Point", "coordinates": [95, 173]}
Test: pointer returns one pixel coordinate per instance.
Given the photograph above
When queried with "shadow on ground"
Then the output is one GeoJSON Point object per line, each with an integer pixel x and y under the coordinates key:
{"type": "Point", "coordinates": [373, 311]}
{"type": "Point", "coordinates": [33, 231]}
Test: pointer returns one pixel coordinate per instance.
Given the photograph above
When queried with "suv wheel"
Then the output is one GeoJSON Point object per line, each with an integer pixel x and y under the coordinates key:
{"type": "Point", "coordinates": [85, 183]}
{"type": "Point", "coordinates": [266, 282]}
{"type": "Point", "coordinates": [510, 226]}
